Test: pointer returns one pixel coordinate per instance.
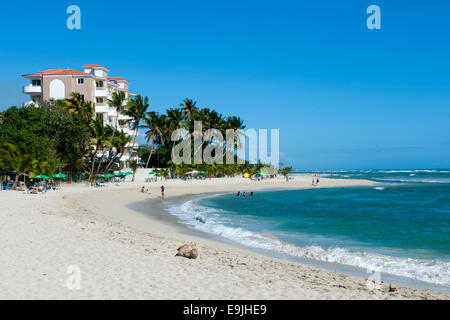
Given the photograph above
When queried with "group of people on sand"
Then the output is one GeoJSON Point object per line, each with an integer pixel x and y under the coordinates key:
{"type": "Point", "coordinates": [144, 190]}
{"type": "Point", "coordinates": [244, 194]}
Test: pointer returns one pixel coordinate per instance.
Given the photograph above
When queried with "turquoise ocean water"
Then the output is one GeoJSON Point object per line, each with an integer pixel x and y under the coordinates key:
{"type": "Point", "coordinates": [400, 227]}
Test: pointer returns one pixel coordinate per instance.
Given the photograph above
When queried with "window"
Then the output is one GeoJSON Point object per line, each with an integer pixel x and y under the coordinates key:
{"type": "Point", "coordinates": [81, 81]}
{"type": "Point", "coordinates": [36, 83]}
{"type": "Point", "coordinates": [100, 84]}
{"type": "Point", "coordinates": [82, 97]}
{"type": "Point", "coordinates": [99, 100]}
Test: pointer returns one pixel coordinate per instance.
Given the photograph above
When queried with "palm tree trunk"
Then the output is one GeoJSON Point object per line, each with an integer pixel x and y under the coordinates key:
{"type": "Point", "coordinates": [93, 162]}
{"type": "Point", "coordinates": [109, 161]}
{"type": "Point", "coordinates": [101, 159]}
{"type": "Point", "coordinates": [112, 137]}
{"type": "Point", "coordinates": [150, 156]}
{"type": "Point", "coordinates": [16, 180]}
{"type": "Point", "coordinates": [134, 141]}
{"type": "Point", "coordinates": [108, 167]}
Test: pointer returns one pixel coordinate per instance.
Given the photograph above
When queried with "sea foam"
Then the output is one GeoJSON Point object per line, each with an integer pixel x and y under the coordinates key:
{"type": "Point", "coordinates": [211, 221]}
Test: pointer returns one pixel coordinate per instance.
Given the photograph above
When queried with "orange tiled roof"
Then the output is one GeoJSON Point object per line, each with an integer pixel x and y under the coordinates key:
{"type": "Point", "coordinates": [93, 66]}
{"type": "Point", "coordinates": [60, 72]}
{"type": "Point", "coordinates": [117, 79]}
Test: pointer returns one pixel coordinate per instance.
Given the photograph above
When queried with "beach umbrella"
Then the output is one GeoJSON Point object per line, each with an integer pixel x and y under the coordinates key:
{"type": "Point", "coordinates": [41, 176]}
{"type": "Point", "coordinates": [153, 172]}
{"type": "Point", "coordinates": [259, 174]}
{"type": "Point", "coordinates": [61, 176]}
{"type": "Point", "coordinates": [128, 173]}
{"type": "Point", "coordinates": [120, 174]}
{"type": "Point", "coordinates": [192, 172]}
{"type": "Point", "coordinates": [99, 176]}
{"type": "Point", "coordinates": [109, 175]}
{"type": "Point", "coordinates": [202, 172]}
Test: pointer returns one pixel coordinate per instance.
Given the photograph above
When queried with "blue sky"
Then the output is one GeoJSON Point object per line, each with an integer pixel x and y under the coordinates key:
{"type": "Point", "coordinates": [342, 96]}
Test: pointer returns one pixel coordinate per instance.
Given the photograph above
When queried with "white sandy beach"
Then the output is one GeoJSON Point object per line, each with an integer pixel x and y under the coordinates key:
{"type": "Point", "coordinates": [124, 254]}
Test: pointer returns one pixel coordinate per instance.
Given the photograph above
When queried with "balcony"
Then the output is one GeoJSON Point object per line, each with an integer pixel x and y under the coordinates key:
{"type": "Point", "coordinates": [132, 144]}
{"type": "Point", "coordinates": [30, 89]}
{"type": "Point", "coordinates": [29, 103]}
{"type": "Point", "coordinates": [112, 112]}
{"type": "Point", "coordinates": [123, 117]}
{"type": "Point", "coordinates": [101, 108]}
{"type": "Point", "coordinates": [101, 92]}
{"type": "Point", "coordinates": [128, 132]}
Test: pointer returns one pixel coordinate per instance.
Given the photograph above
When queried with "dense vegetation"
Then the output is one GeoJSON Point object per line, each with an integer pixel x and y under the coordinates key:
{"type": "Point", "coordinates": [63, 136]}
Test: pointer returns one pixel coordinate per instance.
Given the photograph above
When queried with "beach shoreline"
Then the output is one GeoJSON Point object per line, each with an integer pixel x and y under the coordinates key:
{"type": "Point", "coordinates": [166, 216]}
{"type": "Point", "coordinates": [124, 253]}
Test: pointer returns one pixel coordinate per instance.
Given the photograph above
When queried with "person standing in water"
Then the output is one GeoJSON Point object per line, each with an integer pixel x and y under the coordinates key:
{"type": "Point", "coordinates": [239, 194]}
{"type": "Point", "coordinates": [162, 191]}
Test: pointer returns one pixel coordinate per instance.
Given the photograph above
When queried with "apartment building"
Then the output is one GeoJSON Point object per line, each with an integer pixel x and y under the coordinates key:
{"type": "Point", "coordinates": [94, 84]}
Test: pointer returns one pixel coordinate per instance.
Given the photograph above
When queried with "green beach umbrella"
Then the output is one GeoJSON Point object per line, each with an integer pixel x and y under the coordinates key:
{"type": "Point", "coordinates": [41, 176]}
{"type": "Point", "coordinates": [202, 172]}
{"type": "Point", "coordinates": [61, 176]}
{"type": "Point", "coordinates": [109, 175]}
{"type": "Point", "coordinates": [128, 173]}
{"type": "Point", "coordinates": [153, 172]}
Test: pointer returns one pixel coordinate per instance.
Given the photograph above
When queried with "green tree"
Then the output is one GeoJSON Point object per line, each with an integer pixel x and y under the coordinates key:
{"type": "Point", "coordinates": [155, 125]}
{"type": "Point", "coordinates": [12, 159]}
{"type": "Point", "coordinates": [136, 110]}
{"type": "Point", "coordinates": [133, 166]}
{"type": "Point", "coordinates": [285, 171]}
{"type": "Point", "coordinates": [189, 107]}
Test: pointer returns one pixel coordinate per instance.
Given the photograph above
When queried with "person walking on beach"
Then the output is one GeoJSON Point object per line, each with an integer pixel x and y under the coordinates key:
{"type": "Point", "coordinates": [245, 194]}
{"type": "Point", "coordinates": [162, 191]}
{"type": "Point", "coordinates": [313, 181]}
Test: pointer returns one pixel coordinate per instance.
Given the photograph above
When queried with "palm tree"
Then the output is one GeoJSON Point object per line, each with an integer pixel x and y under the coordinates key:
{"type": "Point", "coordinates": [11, 158]}
{"type": "Point", "coordinates": [117, 101]}
{"type": "Point", "coordinates": [155, 125]}
{"type": "Point", "coordinates": [119, 143]}
{"type": "Point", "coordinates": [285, 171]}
{"type": "Point", "coordinates": [99, 134]}
{"type": "Point", "coordinates": [77, 104]}
{"type": "Point", "coordinates": [189, 107]}
{"type": "Point", "coordinates": [175, 120]}
{"type": "Point", "coordinates": [236, 124]}
{"type": "Point", "coordinates": [133, 167]}
{"type": "Point", "coordinates": [164, 173]}
{"type": "Point", "coordinates": [136, 109]}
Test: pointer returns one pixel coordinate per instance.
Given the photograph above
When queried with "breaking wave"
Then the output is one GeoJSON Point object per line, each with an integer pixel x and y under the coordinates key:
{"type": "Point", "coordinates": [212, 221]}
